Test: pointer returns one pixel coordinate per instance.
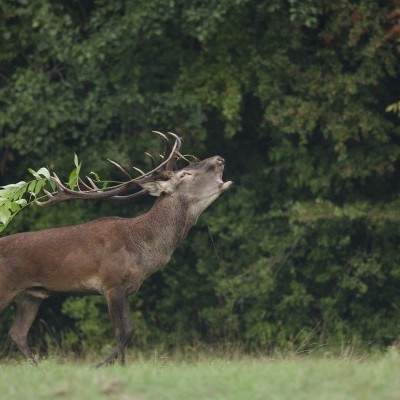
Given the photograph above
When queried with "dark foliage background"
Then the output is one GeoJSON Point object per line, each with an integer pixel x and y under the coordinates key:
{"type": "Point", "coordinates": [292, 93]}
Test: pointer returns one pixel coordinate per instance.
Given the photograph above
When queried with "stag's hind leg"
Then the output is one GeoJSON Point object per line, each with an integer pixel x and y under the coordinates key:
{"type": "Point", "coordinates": [27, 308]}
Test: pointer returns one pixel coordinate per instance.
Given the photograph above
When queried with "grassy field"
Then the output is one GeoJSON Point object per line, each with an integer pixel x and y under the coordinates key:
{"type": "Point", "coordinates": [294, 378]}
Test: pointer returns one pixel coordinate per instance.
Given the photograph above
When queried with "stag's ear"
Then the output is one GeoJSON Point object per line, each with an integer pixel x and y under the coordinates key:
{"type": "Point", "coordinates": [157, 187]}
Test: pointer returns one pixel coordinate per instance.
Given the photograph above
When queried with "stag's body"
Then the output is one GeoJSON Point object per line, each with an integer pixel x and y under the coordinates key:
{"type": "Point", "coordinates": [94, 257]}
{"type": "Point", "coordinates": [109, 256]}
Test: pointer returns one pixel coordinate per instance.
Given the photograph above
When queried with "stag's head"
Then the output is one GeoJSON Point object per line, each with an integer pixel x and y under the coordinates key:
{"type": "Point", "coordinates": [198, 183]}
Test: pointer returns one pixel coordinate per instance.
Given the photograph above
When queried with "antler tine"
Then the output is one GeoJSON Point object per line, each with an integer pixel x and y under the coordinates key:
{"type": "Point", "coordinates": [94, 186]}
{"type": "Point", "coordinates": [164, 137]}
{"type": "Point", "coordinates": [168, 147]}
{"type": "Point", "coordinates": [85, 185]}
{"type": "Point", "coordinates": [140, 171]}
{"type": "Point", "coordinates": [174, 155]}
{"type": "Point", "coordinates": [162, 166]}
{"type": "Point", "coordinates": [170, 161]}
{"type": "Point", "coordinates": [153, 161]}
{"type": "Point", "coordinates": [120, 167]}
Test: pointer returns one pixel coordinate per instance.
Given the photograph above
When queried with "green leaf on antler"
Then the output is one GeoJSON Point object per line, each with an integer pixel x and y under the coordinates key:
{"type": "Point", "coordinates": [74, 175]}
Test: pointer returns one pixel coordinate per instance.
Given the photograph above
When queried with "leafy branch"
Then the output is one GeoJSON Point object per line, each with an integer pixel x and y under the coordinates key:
{"type": "Point", "coordinates": [16, 196]}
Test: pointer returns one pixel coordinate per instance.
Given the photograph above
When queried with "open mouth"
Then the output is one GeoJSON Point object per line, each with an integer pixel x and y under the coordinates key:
{"type": "Point", "coordinates": [221, 184]}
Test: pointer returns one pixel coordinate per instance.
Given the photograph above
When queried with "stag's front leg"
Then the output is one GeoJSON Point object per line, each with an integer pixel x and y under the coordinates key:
{"type": "Point", "coordinates": [118, 307]}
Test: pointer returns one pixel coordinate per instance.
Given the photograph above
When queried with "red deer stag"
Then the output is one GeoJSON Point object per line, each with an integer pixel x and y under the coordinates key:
{"type": "Point", "coordinates": [109, 256]}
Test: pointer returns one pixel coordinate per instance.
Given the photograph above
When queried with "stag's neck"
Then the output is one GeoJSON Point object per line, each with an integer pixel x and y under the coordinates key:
{"type": "Point", "coordinates": [156, 234]}
{"type": "Point", "coordinates": [170, 217]}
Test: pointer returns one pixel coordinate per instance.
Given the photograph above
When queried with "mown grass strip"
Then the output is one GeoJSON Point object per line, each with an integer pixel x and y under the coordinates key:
{"type": "Point", "coordinates": [299, 378]}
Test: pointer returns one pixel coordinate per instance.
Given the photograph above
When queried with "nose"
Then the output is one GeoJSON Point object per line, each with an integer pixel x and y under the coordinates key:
{"type": "Point", "coordinates": [220, 160]}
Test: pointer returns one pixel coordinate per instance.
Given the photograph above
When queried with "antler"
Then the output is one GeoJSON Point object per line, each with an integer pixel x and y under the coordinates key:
{"type": "Point", "coordinates": [122, 191]}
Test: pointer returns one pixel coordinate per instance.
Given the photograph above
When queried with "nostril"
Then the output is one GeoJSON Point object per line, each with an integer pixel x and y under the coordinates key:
{"type": "Point", "coordinates": [220, 160]}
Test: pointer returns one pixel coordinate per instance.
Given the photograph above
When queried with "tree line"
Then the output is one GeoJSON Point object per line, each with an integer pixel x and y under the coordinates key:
{"type": "Point", "coordinates": [298, 96]}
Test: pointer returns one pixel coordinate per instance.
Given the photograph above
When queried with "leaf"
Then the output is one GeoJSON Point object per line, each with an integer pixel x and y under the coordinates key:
{"type": "Point", "coordinates": [22, 202]}
{"type": "Point", "coordinates": [52, 184]}
{"type": "Point", "coordinates": [21, 191]}
{"type": "Point", "coordinates": [31, 186]}
{"type": "Point", "coordinates": [14, 185]}
{"type": "Point", "coordinates": [96, 176]}
{"type": "Point", "coordinates": [4, 217]}
{"type": "Point", "coordinates": [14, 207]}
{"type": "Point", "coordinates": [76, 161]}
{"type": "Point", "coordinates": [6, 205]}
{"type": "Point", "coordinates": [39, 186]}
{"type": "Point", "coordinates": [393, 108]}
{"type": "Point", "coordinates": [44, 172]}
{"type": "Point", "coordinates": [34, 173]}
{"type": "Point", "coordinates": [73, 178]}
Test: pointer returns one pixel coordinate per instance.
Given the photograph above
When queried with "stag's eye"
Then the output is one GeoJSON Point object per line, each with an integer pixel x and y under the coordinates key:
{"type": "Point", "coordinates": [184, 173]}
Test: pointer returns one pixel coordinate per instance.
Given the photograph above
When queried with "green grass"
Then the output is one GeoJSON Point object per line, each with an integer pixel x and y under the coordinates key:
{"type": "Point", "coordinates": [309, 377]}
